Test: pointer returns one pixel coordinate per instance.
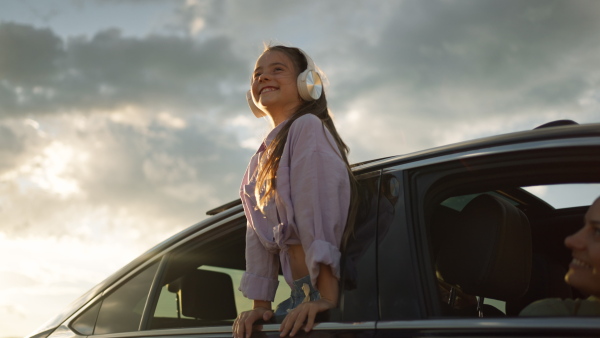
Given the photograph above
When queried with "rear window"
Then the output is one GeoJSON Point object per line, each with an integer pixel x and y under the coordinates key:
{"type": "Point", "coordinates": [561, 196]}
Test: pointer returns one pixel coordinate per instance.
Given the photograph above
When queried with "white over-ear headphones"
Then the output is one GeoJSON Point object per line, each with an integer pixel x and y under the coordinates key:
{"type": "Point", "coordinates": [310, 86]}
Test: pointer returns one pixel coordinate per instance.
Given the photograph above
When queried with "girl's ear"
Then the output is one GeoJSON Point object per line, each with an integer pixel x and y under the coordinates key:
{"type": "Point", "coordinates": [257, 112]}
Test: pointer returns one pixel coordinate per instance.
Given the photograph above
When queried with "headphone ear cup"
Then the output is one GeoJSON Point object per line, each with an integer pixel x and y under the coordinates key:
{"type": "Point", "coordinates": [310, 86]}
{"type": "Point", "coordinates": [257, 112]}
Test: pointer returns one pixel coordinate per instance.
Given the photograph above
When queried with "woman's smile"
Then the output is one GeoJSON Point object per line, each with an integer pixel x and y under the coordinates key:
{"type": "Point", "coordinates": [578, 263]}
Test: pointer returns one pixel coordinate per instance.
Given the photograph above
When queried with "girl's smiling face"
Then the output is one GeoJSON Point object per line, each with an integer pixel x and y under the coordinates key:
{"type": "Point", "coordinates": [584, 270]}
{"type": "Point", "coordinates": [274, 84]}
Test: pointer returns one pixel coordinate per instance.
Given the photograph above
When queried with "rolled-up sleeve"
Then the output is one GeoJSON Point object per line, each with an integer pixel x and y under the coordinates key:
{"type": "Point", "coordinates": [319, 193]}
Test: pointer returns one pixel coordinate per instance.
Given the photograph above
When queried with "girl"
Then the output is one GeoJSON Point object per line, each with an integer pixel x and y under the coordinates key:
{"type": "Point", "coordinates": [296, 194]}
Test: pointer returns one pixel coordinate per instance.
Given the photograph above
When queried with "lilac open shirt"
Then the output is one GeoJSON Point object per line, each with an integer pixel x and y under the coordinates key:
{"type": "Point", "coordinates": [313, 197]}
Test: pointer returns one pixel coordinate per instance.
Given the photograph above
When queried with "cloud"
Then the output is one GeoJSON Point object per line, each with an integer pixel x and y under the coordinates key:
{"type": "Point", "coordinates": [29, 55]}
{"type": "Point", "coordinates": [123, 123]}
{"type": "Point", "coordinates": [451, 66]}
{"type": "Point", "coordinates": [140, 170]}
{"type": "Point", "coordinates": [158, 120]}
{"type": "Point", "coordinates": [42, 74]}
{"type": "Point", "coordinates": [113, 132]}
{"type": "Point", "coordinates": [507, 54]}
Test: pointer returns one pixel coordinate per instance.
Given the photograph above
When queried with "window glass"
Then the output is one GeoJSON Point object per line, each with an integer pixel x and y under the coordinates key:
{"type": "Point", "coordinates": [566, 195]}
{"type": "Point", "coordinates": [458, 202]}
{"type": "Point", "coordinates": [121, 310]}
{"type": "Point", "coordinates": [498, 304]}
{"type": "Point", "coordinates": [172, 310]}
{"type": "Point", "coordinates": [242, 303]}
{"type": "Point", "coordinates": [200, 284]}
{"type": "Point", "coordinates": [84, 324]}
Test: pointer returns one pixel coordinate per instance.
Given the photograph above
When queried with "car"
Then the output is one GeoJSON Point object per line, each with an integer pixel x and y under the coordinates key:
{"type": "Point", "coordinates": [450, 241]}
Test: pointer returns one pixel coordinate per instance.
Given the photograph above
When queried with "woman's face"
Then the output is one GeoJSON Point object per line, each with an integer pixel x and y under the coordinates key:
{"type": "Point", "coordinates": [584, 270]}
{"type": "Point", "coordinates": [274, 86]}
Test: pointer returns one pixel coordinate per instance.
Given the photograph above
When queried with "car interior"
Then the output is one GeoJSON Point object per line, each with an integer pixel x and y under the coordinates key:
{"type": "Point", "coordinates": [503, 245]}
{"type": "Point", "coordinates": [197, 275]}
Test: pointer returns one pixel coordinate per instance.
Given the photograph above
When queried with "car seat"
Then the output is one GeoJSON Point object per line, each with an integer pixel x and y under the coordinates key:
{"type": "Point", "coordinates": [487, 253]}
{"type": "Point", "coordinates": [206, 296]}
{"type": "Point", "coordinates": [547, 281]}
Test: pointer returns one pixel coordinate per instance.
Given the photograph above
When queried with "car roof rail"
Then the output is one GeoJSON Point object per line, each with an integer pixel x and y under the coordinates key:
{"type": "Point", "coordinates": [224, 207]}
{"type": "Point", "coordinates": [557, 123]}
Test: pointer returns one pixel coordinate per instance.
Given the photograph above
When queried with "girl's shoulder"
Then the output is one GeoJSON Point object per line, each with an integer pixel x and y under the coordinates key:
{"type": "Point", "coordinates": [306, 123]}
{"type": "Point", "coordinates": [307, 119]}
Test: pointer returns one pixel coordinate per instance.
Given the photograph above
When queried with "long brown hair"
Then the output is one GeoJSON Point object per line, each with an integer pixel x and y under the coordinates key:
{"type": "Point", "coordinates": [266, 180]}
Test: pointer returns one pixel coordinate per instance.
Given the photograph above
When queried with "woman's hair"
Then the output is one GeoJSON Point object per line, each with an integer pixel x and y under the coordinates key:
{"type": "Point", "coordinates": [267, 173]}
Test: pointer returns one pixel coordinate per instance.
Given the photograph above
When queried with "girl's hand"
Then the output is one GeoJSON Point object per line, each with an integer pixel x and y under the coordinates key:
{"type": "Point", "coordinates": [304, 312]}
{"type": "Point", "coordinates": [242, 326]}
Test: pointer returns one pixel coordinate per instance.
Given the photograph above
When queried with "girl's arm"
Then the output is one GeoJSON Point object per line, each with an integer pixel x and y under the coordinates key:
{"type": "Point", "coordinates": [329, 290]}
{"type": "Point", "coordinates": [242, 326]}
{"type": "Point", "coordinates": [328, 286]}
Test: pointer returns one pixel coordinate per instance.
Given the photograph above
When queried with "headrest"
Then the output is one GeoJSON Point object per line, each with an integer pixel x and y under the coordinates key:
{"type": "Point", "coordinates": [488, 252]}
{"type": "Point", "coordinates": [206, 295]}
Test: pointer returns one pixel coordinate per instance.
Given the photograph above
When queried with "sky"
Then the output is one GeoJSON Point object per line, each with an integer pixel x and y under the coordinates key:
{"type": "Point", "coordinates": [123, 122]}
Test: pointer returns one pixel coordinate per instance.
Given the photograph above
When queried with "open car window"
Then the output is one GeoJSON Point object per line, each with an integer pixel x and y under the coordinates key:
{"type": "Point", "coordinates": [494, 228]}
{"type": "Point", "coordinates": [547, 228]}
{"type": "Point", "coordinates": [199, 286]}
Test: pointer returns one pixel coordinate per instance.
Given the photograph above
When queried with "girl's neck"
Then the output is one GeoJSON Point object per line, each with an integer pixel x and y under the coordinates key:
{"type": "Point", "coordinates": [281, 116]}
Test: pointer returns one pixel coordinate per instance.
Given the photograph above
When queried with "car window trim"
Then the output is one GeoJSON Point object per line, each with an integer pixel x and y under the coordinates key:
{"type": "Point", "coordinates": [153, 294]}
{"type": "Point", "coordinates": [569, 324]}
{"type": "Point", "coordinates": [325, 326]}
{"type": "Point", "coordinates": [67, 324]}
{"type": "Point", "coordinates": [405, 163]}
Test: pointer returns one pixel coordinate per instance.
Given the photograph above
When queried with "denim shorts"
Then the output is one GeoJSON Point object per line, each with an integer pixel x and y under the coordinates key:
{"type": "Point", "coordinates": [298, 296]}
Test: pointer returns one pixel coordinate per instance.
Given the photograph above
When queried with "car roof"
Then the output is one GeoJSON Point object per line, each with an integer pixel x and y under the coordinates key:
{"type": "Point", "coordinates": [535, 135]}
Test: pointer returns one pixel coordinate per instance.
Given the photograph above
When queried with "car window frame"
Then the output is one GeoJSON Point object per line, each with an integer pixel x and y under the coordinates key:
{"type": "Point", "coordinates": [425, 187]}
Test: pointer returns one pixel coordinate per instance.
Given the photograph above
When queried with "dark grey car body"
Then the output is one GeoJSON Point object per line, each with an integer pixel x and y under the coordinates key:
{"type": "Point", "coordinates": [398, 265]}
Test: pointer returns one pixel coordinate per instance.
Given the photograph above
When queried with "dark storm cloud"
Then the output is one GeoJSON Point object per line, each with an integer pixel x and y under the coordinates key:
{"type": "Point", "coordinates": [433, 68]}
{"type": "Point", "coordinates": [28, 56]}
{"type": "Point", "coordinates": [43, 74]}
{"type": "Point", "coordinates": [486, 46]}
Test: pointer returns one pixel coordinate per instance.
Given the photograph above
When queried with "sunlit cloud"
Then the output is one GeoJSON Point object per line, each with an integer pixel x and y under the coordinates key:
{"type": "Point", "coordinates": [171, 121]}
{"type": "Point", "coordinates": [49, 171]}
